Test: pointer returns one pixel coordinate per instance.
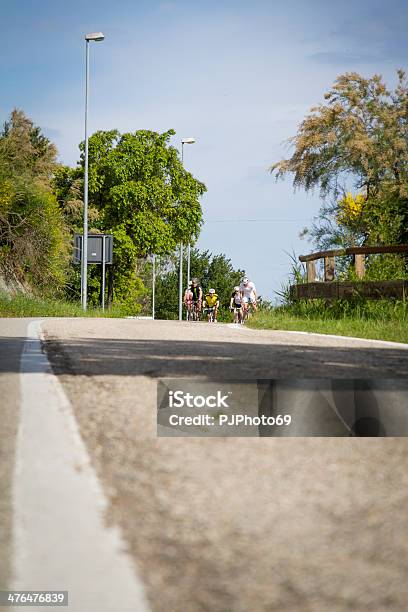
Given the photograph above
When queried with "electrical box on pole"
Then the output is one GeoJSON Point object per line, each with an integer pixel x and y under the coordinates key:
{"type": "Point", "coordinates": [100, 251]}
{"type": "Point", "coordinates": [95, 248]}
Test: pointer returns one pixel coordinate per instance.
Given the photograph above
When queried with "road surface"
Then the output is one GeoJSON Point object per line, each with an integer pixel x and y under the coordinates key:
{"type": "Point", "coordinates": [223, 525]}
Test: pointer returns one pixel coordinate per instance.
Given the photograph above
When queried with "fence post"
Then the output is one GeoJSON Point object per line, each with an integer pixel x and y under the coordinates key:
{"type": "Point", "coordinates": [359, 264]}
{"type": "Point", "coordinates": [311, 271]}
{"type": "Point", "coordinates": [329, 268]}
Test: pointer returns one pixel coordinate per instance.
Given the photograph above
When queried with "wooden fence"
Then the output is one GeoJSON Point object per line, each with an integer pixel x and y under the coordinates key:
{"type": "Point", "coordinates": [332, 289]}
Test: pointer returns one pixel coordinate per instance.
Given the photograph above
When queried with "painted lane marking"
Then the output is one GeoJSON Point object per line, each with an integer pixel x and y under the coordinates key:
{"type": "Point", "coordinates": [60, 539]}
{"type": "Point", "coordinates": [388, 343]}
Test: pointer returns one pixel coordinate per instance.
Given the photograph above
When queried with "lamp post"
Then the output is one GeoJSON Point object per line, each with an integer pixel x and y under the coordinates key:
{"type": "Point", "coordinates": [183, 142]}
{"type": "Point", "coordinates": [96, 37]}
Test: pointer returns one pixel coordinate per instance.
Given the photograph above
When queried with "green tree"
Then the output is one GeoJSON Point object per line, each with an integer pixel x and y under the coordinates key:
{"type": "Point", "coordinates": [68, 187]}
{"type": "Point", "coordinates": [140, 192]}
{"type": "Point", "coordinates": [33, 237]}
{"type": "Point", "coordinates": [138, 183]}
{"type": "Point", "coordinates": [360, 136]}
{"type": "Point", "coordinates": [25, 151]}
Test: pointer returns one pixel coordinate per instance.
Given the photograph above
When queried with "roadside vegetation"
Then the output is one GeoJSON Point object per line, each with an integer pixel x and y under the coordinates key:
{"type": "Point", "coordinates": [363, 318]}
{"type": "Point", "coordinates": [139, 191]}
{"type": "Point", "coordinates": [23, 305]}
{"type": "Point", "coordinates": [34, 243]}
{"type": "Point", "coordinates": [353, 148]}
{"type": "Point", "coordinates": [379, 320]}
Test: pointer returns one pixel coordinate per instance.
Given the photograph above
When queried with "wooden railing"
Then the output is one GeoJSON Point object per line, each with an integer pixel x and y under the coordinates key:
{"type": "Point", "coordinates": [333, 289]}
{"type": "Point", "coordinates": [359, 259]}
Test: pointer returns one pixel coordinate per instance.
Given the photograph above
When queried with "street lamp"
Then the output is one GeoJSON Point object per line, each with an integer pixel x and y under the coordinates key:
{"type": "Point", "coordinates": [183, 142]}
{"type": "Point", "coordinates": [96, 37]}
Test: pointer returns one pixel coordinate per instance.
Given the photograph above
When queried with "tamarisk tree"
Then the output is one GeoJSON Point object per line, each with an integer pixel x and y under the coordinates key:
{"type": "Point", "coordinates": [359, 137]}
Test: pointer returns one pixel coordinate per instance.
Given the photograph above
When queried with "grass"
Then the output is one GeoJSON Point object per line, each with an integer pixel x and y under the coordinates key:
{"type": "Point", "coordinates": [20, 305]}
{"type": "Point", "coordinates": [379, 320]}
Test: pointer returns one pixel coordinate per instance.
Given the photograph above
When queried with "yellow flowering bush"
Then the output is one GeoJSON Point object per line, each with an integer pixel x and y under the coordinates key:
{"type": "Point", "coordinates": [350, 209]}
{"type": "Point", "coordinates": [6, 196]}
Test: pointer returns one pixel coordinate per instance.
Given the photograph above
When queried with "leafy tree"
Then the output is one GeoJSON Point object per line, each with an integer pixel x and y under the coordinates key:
{"type": "Point", "coordinates": [68, 186]}
{"type": "Point", "coordinates": [359, 135]}
{"type": "Point", "coordinates": [33, 238]}
{"type": "Point", "coordinates": [140, 192]}
{"type": "Point", "coordinates": [24, 150]}
{"type": "Point", "coordinates": [138, 183]}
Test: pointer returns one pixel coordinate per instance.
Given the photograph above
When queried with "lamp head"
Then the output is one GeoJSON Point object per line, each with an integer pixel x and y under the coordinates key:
{"type": "Point", "coordinates": [188, 141]}
{"type": "Point", "coordinates": [96, 36]}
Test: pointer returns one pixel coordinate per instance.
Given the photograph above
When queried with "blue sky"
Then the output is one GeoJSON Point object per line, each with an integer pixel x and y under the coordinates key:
{"type": "Point", "coordinates": [238, 76]}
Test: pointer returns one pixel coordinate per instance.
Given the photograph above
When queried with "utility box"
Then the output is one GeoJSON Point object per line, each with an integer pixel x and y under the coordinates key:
{"type": "Point", "coordinates": [95, 248]}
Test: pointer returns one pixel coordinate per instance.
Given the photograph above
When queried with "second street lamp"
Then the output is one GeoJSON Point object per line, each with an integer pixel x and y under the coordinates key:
{"type": "Point", "coordinates": [183, 142]}
{"type": "Point", "coordinates": [96, 37]}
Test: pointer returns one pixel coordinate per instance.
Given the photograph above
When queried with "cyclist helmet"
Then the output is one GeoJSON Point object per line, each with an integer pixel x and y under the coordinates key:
{"type": "Point", "coordinates": [194, 281]}
{"type": "Point", "coordinates": [236, 288]}
{"type": "Point", "coordinates": [211, 291]}
{"type": "Point", "coordinates": [245, 281]}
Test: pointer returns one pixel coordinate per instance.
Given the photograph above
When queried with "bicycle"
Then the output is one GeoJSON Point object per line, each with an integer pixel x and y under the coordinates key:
{"type": "Point", "coordinates": [237, 314]}
{"type": "Point", "coordinates": [210, 311]}
{"type": "Point", "coordinates": [189, 311]}
{"type": "Point", "coordinates": [247, 312]}
{"type": "Point", "coordinates": [193, 311]}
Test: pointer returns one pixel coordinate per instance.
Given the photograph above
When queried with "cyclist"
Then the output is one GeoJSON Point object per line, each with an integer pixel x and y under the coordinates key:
{"type": "Point", "coordinates": [197, 298]}
{"type": "Point", "coordinates": [212, 304]}
{"type": "Point", "coordinates": [236, 304]}
{"type": "Point", "coordinates": [248, 294]}
{"type": "Point", "coordinates": [188, 302]}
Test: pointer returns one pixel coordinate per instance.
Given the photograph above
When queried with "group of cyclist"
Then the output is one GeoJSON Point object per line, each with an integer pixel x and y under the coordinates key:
{"type": "Point", "coordinates": [242, 297]}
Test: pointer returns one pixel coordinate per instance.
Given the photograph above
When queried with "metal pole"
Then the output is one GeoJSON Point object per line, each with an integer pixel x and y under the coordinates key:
{"type": "Point", "coordinates": [188, 264]}
{"type": "Point", "coordinates": [188, 246]}
{"type": "Point", "coordinates": [181, 284]}
{"type": "Point", "coordinates": [103, 272]}
{"type": "Point", "coordinates": [80, 254]}
{"type": "Point", "coordinates": [154, 287]}
{"type": "Point", "coordinates": [84, 279]}
{"type": "Point", "coordinates": [181, 260]}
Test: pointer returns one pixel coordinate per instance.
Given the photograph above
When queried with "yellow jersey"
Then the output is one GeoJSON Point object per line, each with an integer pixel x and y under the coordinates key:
{"type": "Point", "coordinates": [211, 299]}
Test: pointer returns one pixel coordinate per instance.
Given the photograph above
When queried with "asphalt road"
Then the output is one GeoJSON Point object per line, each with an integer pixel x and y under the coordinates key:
{"type": "Point", "coordinates": [12, 337]}
{"type": "Point", "coordinates": [228, 524]}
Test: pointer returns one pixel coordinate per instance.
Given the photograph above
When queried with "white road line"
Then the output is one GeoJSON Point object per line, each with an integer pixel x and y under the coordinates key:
{"type": "Point", "coordinates": [60, 539]}
{"type": "Point", "coordinates": [304, 333]}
